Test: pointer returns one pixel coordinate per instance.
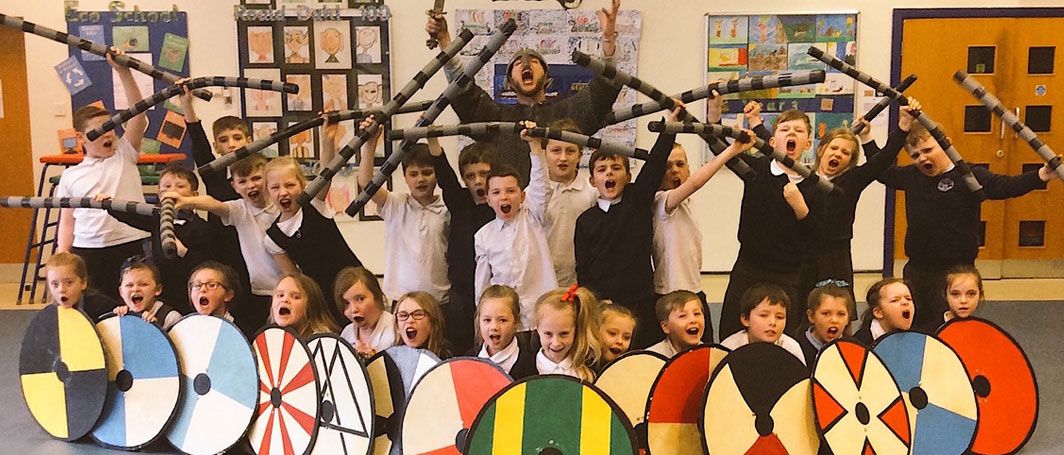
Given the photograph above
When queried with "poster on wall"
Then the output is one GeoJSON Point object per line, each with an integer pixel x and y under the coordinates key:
{"type": "Point", "coordinates": [739, 45]}
{"type": "Point", "coordinates": [339, 57]}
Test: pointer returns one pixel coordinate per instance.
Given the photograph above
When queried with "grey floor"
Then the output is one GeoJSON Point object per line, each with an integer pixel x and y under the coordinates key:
{"type": "Point", "coordinates": [1034, 324]}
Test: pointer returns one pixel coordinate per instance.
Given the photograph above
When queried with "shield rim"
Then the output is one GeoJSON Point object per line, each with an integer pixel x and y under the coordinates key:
{"type": "Point", "coordinates": [361, 366]}
{"type": "Point", "coordinates": [314, 371]}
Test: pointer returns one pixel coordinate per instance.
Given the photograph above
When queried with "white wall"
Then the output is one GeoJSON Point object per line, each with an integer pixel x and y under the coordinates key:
{"type": "Point", "coordinates": [671, 57]}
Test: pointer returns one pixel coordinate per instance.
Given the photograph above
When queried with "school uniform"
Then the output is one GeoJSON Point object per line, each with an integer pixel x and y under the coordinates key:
{"type": "Point", "coordinates": [613, 244]}
{"type": "Point", "coordinates": [810, 345]}
{"type": "Point", "coordinates": [868, 334]}
{"type": "Point", "coordinates": [514, 252]}
{"type": "Point", "coordinates": [740, 339]}
{"type": "Point", "coordinates": [165, 316]}
{"type": "Point", "coordinates": [518, 359]}
{"type": "Point", "coordinates": [314, 243]}
{"type": "Point", "coordinates": [380, 338]}
{"type": "Point", "coordinates": [95, 304]}
{"type": "Point", "coordinates": [264, 273]}
{"type": "Point", "coordinates": [567, 202]}
{"type": "Point", "coordinates": [416, 242]}
{"type": "Point", "coordinates": [677, 253]}
{"type": "Point", "coordinates": [547, 366]}
{"type": "Point", "coordinates": [665, 348]}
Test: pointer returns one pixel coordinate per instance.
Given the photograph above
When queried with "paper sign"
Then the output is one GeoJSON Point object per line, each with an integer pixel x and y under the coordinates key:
{"type": "Point", "coordinates": [172, 132]}
{"type": "Point", "coordinates": [172, 55]}
{"type": "Point", "coordinates": [95, 34]}
{"type": "Point", "coordinates": [144, 82]}
{"type": "Point", "coordinates": [150, 146]}
{"type": "Point", "coordinates": [73, 75]}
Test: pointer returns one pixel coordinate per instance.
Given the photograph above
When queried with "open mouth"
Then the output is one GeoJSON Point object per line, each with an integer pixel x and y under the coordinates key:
{"type": "Point", "coordinates": [204, 302]}
{"type": "Point", "coordinates": [285, 203]}
{"type": "Point", "coordinates": [359, 320]}
{"type": "Point", "coordinates": [481, 193]}
{"type": "Point", "coordinates": [108, 143]}
{"type": "Point", "coordinates": [137, 299]}
{"type": "Point", "coordinates": [906, 314]}
{"type": "Point", "coordinates": [64, 299]}
{"type": "Point", "coordinates": [833, 331]}
{"type": "Point", "coordinates": [791, 145]}
{"type": "Point", "coordinates": [692, 330]}
{"type": "Point", "coordinates": [928, 167]}
{"type": "Point", "coordinates": [284, 311]}
{"type": "Point", "coordinates": [616, 351]}
{"type": "Point", "coordinates": [771, 333]}
{"type": "Point", "coordinates": [253, 194]}
{"type": "Point", "coordinates": [506, 208]}
{"type": "Point", "coordinates": [495, 338]}
{"type": "Point", "coordinates": [676, 182]}
{"type": "Point", "coordinates": [610, 184]}
{"type": "Point", "coordinates": [411, 333]}
{"type": "Point", "coordinates": [526, 76]}
{"type": "Point", "coordinates": [833, 163]}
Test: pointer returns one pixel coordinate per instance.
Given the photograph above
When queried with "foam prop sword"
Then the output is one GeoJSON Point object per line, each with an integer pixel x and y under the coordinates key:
{"type": "Point", "coordinates": [882, 104]}
{"type": "Point", "coordinates": [167, 237]}
{"type": "Point", "coordinates": [111, 205]}
{"type": "Point", "coordinates": [473, 130]}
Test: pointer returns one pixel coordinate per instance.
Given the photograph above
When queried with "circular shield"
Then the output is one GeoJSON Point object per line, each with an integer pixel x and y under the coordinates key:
{"type": "Point", "coordinates": [551, 414]}
{"type": "Point", "coordinates": [219, 379]}
{"type": "Point", "coordinates": [63, 373]}
{"type": "Point", "coordinates": [759, 401]}
{"type": "Point", "coordinates": [392, 374]}
{"type": "Point", "coordinates": [858, 407]}
{"type": "Point", "coordinates": [675, 401]}
{"type": "Point", "coordinates": [1003, 380]}
{"type": "Point", "coordinates": [143, 386]}
{"type": "Point", "coordinates": [286, 420]}
{"type": "Point", "coordinates": [627, 381]}
{"type": "Point", "coordinates": [346, 420]}
{"type": "Point", "coordinates": [446, 400]}
{"type": "Point", "coordinates": [942, 411]}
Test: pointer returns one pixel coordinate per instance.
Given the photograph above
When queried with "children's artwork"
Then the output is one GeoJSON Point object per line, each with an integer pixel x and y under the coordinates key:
{"type": "Point", "coordinates": [551, 22]}
{"type": "Point", "coordinates": [303, 100]}
{"type": "Point", "coordinates": [835, 84]}
{"type": "Point", "coordinates": [262, 103]}
{"type": "Point", "coordinates": [520, 17]}
{"type": "Point", "coordinates": [263, 130]}
{"type": "Point", "coordinates": [838, 27]}
{"type": "Point", "coordinates": [296, 45]}
{"type": "Point", "coordinates": [260, 44]}
{"type": "Point", "coordinates": [301, 145]}
{"type": "Point", "coordinates": [845, 51]}
{"type": "Point", "coordinates": [172, 131]}
{"type": "Point", "coordinates": [799, 28]}
{"type": "Point", "coordinates": [766, 29]}
{"type": "Point", "coordinates": [340, 135]}
{"type": "Point", "coordinates": [145, 83]}
{"type": "Point", "coordinates": [477, 21]}
{"type": "Point", "coordinates": [334, 92]}
{"type": "Point", "coordinates": [370, 91]}
{"type": "Point", "coordinates": [130, 38]}
{"type": "Point", "coordinates": [727, 57]}
{"type": "Point", "coordinates": [332, 41]}
{"type": "Point", "coordinates": [73, 75]}
{"type": "Point", "coordinates": [172, 55]}
{"type": "Point", "coordinates": [799, 59]}
{"type": "Point", "coordinates": [827, 122]}
{"type": "Point", "coordinates": [150, 146]}
{"type": "Point", "coordinates": [729, 29]}
{"type": "Point", "coordinates": [767, 57]}
{"type": "Point", "coordinates": [368, 44]}
{"type": "Point", "coordinates": [95, 34]}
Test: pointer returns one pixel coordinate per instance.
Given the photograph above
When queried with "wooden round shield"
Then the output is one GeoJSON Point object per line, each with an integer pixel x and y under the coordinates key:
{"type": "Point", "coordinates": [446, 400]}
{"type": "Point", "coordinates": [759, 401]}
{"type": "Point", "coordinates": [857, 404]}
{"type": "Point", "coordinates": [63, 372]}
{"type": "Point", "coordinates": [392, 374]}
{"type": "Point", "coordinates": [627, 380]}
{"type": "Point", "coordinates": [943, 414]}
{"type": "Point", "coordinates": [551, 414]}
{"type": "Point", "coordinates": [220, 383]}
{"type": "Point", "coordinates": [675, 401]}
{"type": "Point", "coordinates": [345, 423]}
{"type": "Point", "coordinates": [1006, 391]}
{"type": "Point", "coordinates": [287, 417]}
{"type": "Point", "coordinates": [143, 386]}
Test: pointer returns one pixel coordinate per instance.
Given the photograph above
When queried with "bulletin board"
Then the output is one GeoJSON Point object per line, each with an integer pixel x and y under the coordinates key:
{"type": "Point", "coordinates": [156, 37]}
{"type": "Point", "coordinates": [739, 45]}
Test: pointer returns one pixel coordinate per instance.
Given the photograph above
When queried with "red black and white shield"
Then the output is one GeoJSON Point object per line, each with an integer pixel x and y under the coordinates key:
{"type": "Point", "coordinates": [286, 420]}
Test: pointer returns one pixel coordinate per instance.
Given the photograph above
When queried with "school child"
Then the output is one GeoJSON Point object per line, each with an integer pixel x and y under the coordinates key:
{"type": "Point", "coordinates": [415, 224]}
{"type": "Point", "coordinates": [682, 320]}
{"type": "Point", "coordinates": [567, 324]}
{"type": "Point", "coordinates": [299, 304]}
{"type": "Point", "coordinates": [212, 286]}
{"type": "Point", "coordinates": [943, 216]}
{"type": "Point", "coordinates": [615, 330]}
{"type": "Point", "coordinates": [828, 312]}
{"type": "Point", "coordinates": [469, 212]}
{"type": "Point", "coordinates": [307, 232]}
{"type": "Point", "coordinates": [614, 238]}
{"type": "Point", "coordinates": [420, 323]}
{"type": "Point", "coordinates": [109, 167]}
{"type": "Point", "coordinates": [358, 296]}
{"type": "Point", "coordinates": [497, 315]}
{"type": "Point", "coordinates": [570, 197]}
{"type": "Point", "coordinates": [251, 215]}
{"type": "Point", "coordinates": [140, 290]}
{"type": "Point", "coordinates": [512, 250]}
{"type": "Point", "coordinates": [964, 294]}
{"type": "Point", "coordinates": [890, 308]}
{"type": "Point", "coordinates": [68, 281]}
{"type": "Point", "coordinates": [774, 220]}
{"type": "Point", "coordinates": [764, 315]}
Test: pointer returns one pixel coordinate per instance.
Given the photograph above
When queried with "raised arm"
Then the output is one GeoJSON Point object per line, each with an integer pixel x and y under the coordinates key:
{"type": "Point", "coordinates": [539, 189]}
{"type": "Point", "coordinates": [454, 196]}
{"type": "Point", "coordinates": [365, 164]}
{"type": "Point", "coordinates": [134, 128]}
{"type": "Point", "coordinates": [700, 177]}
{"type": "Point", "coordinates": [328, 150]}
{"type": "Point", "coordinates": [653, 171]}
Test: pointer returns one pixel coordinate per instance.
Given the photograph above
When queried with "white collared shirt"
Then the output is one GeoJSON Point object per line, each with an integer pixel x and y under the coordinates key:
{"type": "Point", "coordinates": [380, 338]}
{"type": "Point", "coordinates": [677, 249]}
{"type": "Point", "coordinates": [741, 338]}
{"type": "Point", "coordinates": [291, 225]}
{"type": "Point", "coordinates": [777, 169]}
{"type": "Point", "coordinates": [877, 329]}
{"type": "Point", "coordinates": [515, 252]}
{"type": "Point", "coordinates": [251, 223]}
{"type": "Point", "coordinates": [566, 204]}
{"type": "Point", "coordinates": [665, 348]}
{"type": "Point", "coordinates": [505, 358]}
{"type": "Point", "coordinates": [606, 204]}
{"type": "Point", "coordinates": [813, 340]}
{"type": "Point", "coordinates": [416, 242]}
{"type": "Point", "coordinates": [116, 175]}
{"type": "Point", "coordinates": [547, 366]}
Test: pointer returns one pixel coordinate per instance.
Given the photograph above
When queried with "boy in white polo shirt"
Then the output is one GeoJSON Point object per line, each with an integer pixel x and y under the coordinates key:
{"type": "Point", "coordinates": [571, 197]}
{"type": "Point", "coordinates": [109, 167]}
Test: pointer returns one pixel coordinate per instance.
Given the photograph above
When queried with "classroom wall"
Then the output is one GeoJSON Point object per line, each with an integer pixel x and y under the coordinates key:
{"type": "Point", "coordinates": [671, 57]}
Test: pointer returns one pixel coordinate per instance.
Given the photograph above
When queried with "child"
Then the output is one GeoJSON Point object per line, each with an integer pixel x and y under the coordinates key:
{"type": "Point", "coordinates": [469, 212]}
{"type": "Point", "coordinates": [140, 290]}
{"type": "Point", "coordinates": [420, 323]}
{"type": "Point", "coordinates": [570, 197]}
{"type": "Point", "coordinates": [299, 304]}
{"type": "Point", "coordinates": [211, 289]}
{"type": "Point", "coordinates": [942, 216]}
{"type": "Point", "coordinates": [890, 308]}
{"type": "Point", "coordinates": [109, 167]}
{"type": "Point", "coordinates": [416, 224]}
{"type": "Point", "coordinates": [681, 319]}
{"type": "Point", "coordinates": [512, 249]}
{"type": "Point", "coordinates": [616, 330]}
{"type": "Point", "coordinates": [497, 315]}
{"type": "Point", "coordinates": [828, 311]}
{"type": "Point", "coordinates": [68, 282]}
{"type": "Point", "coordinates": [251, 215]}
{"type": "Point", "coordinates": [964, 293]}
{"type": "Point", "coordinates": [567, 324]}
{"type": "Point", "coordinates": [774, 222]}
{"type": "Point", "coordinates": [614, 238]}
{"type": "Point", "coordinates": [764, 315]}
{"type": "Point", "coordinates": [359, 297]}
{"type": "Point", "coordinates": [307, 232]}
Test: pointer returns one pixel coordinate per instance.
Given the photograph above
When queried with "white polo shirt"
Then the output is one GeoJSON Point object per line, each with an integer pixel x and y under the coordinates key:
{"type": "Point", "coordinates": [382, 337]}
{"type": "Point", "coordinates": [251, 224]}
{"type": "Point", "coordinates": [741, 338]}
{"type": "Point", "coordinates": [117, 176]}
{"type": "Point", "coordinates": [291, 225]}
{"type": "Point", "coordinates": [566, 204]}
{"type": "Point", "coordinates": [416, 244]}
{"type": "Point", "coordinates": [677, 249]}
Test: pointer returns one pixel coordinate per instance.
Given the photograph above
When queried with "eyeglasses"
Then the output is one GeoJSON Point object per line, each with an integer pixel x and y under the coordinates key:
{"type": "Point", "coordinates": [417, 315]}
{"type": "Point", "coordinates": [210, 286]}
{"type": "Point", "coordinates": [839, 283]}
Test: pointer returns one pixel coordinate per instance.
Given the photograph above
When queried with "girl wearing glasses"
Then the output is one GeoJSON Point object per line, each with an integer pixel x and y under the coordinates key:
{"type": "Point", "coordinates": [419, 322]}
{"type": "Point", "coordinates": [211, 289]}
